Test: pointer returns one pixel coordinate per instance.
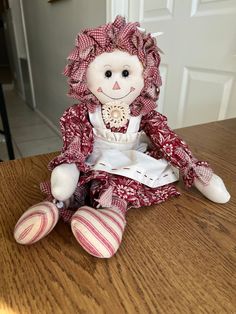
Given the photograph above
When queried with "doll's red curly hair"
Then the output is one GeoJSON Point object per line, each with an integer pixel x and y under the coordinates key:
{"type": "Point", "coordinates": [107, 38]}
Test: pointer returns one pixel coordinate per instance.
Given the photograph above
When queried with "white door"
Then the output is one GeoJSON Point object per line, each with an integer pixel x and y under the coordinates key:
{"type": "Point", "coordinates": [199, 64]}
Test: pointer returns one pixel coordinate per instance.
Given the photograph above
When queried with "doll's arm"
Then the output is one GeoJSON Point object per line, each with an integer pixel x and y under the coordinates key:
{"type": "Point", "coordinates": [176, 151]}
{"type": "Point", "coordinates": [77, 145]}
{"type": "Point", "coordinates": [64, 179]}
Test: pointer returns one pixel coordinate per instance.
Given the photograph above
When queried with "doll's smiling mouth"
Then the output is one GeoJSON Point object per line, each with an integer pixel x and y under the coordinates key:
{"type": "Point", "coordinates": [116, 98]}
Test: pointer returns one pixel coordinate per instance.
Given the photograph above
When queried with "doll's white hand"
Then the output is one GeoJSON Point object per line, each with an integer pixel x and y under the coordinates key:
{"type": "Point", "coordinates": [64, 180]}
{"type": "Point", "coordinates": [215, 190]}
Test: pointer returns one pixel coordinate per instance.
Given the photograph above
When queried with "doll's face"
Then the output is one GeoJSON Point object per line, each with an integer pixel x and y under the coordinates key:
{"type": "Point", "coordinates": [115, 76]}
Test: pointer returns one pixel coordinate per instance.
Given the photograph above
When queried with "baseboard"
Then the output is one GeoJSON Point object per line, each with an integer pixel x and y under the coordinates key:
{"type": "Point", "coordinates": [48, 122]}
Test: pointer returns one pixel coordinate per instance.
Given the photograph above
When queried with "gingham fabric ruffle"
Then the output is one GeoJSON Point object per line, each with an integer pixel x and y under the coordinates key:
{"type": "Point", "coordinates": [106, 38]}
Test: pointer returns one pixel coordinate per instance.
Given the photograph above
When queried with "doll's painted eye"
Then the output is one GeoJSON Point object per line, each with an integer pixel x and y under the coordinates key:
{"type": "Point", "coordinates": [108, 73]}
{"type": "Point", "coordinates": [125, 73]}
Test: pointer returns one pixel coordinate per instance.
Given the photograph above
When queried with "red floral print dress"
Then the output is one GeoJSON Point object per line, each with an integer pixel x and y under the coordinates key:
{"type": "Point", "coordinates": [77, 135]}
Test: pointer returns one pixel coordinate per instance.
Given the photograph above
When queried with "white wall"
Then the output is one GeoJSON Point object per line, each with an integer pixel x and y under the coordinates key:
{"type": "Point", "coordinates": [18, 28]}
{"type": "Point", "coordinates": [51, 30]}
{"type": "Point", "coordinates": [16, 43]}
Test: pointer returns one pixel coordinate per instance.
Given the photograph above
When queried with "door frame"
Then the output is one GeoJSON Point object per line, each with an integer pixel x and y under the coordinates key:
{"type": "Point", "coordinates": [28, 55]}
{"type": "Point", "coordinates": [115, 7]}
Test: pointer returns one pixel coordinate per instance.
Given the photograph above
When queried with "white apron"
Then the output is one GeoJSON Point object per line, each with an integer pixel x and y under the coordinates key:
{"type": "Point", "coordinates": [124, 154]}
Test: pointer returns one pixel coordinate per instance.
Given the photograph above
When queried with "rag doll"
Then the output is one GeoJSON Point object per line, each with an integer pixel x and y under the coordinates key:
{"type": "Point", "coordinates": [118, 151]}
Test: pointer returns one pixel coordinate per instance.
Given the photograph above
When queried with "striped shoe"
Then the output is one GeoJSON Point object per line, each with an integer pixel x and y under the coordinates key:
{"type": "Point", "coordinates": [36, 223]}
{"type": "Point", "coordinates": [99, 231]}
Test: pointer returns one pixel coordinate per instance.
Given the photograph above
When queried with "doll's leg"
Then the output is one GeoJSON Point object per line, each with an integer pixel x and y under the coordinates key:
{"type": "Point", "coordinates": [100, 231]}
{"type": "Point", "coordinates": [37, 222]}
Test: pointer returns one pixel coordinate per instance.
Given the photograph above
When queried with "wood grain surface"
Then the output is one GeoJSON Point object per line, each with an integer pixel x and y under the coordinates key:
{"type": "Point", "coordinates": [177, 257]}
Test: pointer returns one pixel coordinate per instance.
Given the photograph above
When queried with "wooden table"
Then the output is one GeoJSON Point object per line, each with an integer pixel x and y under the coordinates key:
{"type": "Point", "coordinates": [178, 257]}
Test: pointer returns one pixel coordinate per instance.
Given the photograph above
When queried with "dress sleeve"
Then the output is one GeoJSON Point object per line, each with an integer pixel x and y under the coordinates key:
{"type": "Point", "coordinates": [77, 137]}
{"type": "Point", "coordinates": [169, 146]}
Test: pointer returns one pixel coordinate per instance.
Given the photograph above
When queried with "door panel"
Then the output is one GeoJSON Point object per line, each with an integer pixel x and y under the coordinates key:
{"type": "Point", "coordinates": [199, 64]}
{"type": "Point", "coordinates": [213, 103]}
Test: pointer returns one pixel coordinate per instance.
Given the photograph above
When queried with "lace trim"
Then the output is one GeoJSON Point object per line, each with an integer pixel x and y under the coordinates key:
{"type": "Point", "coordinates": [115, 113]}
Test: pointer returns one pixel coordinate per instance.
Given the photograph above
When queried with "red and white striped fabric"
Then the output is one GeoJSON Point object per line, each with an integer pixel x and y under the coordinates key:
{"type": "Point", "coordinates": [99, 231]}
{"type": "Point", "coordinates": [36, 223]}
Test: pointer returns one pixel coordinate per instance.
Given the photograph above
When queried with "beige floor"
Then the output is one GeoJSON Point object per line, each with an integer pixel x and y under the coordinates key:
{"type": "Point", "coordinates": [30, 134]}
